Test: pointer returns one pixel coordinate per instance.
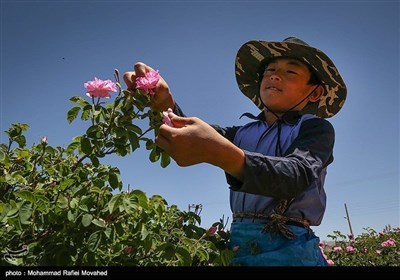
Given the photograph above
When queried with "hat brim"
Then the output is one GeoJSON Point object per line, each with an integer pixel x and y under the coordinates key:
{"type": "Point", "coordinates": [254, 55]}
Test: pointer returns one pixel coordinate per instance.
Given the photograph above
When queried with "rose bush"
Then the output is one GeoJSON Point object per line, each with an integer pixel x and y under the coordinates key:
{"type": "Point", "coordinates": [63, 206]}
{"type": "Point", "coordinates": [368, 249]}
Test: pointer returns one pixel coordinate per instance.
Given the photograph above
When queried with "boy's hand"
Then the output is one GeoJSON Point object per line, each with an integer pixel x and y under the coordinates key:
{"type": "Point", "coordinates": [186, 141]}
{"type": "Point", "coordinates": [162, 99]}
{"type": "Point", "coordinates": [191, 141]}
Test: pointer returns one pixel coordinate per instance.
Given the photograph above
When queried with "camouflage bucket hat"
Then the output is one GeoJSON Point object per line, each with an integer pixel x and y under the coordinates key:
{"type": "Point", "coordinates": [254, 55]}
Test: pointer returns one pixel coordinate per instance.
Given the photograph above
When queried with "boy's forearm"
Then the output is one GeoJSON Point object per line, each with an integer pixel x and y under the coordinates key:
{"type": "Point", "coordinates": [228, 157]}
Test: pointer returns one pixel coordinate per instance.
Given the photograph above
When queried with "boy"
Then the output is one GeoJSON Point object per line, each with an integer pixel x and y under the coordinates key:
{"type": "Point", "coordinates": [276, 164]}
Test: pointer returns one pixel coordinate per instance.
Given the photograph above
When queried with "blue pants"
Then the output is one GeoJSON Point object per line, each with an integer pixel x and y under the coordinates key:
{"type": "Point", "coordinates": [256, 248]}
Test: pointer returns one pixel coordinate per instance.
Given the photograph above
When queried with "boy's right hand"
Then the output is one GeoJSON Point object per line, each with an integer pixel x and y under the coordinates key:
{"type": "Point", "coordinates": [162, 99]}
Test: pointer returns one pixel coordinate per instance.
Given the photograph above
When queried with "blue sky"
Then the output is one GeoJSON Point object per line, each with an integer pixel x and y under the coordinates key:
{"type": "Point", "coordinates": [50, 48]}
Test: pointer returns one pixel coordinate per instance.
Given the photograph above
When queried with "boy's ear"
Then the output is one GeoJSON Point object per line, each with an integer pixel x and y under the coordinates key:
{"type": "Point", "coordinates": [316, 95]}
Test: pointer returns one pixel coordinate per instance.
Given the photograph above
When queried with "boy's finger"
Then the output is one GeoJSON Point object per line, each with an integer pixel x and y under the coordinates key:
{"type": "Point", "coordinates": [162, 142]}
{"type": "Point", "coordinates": [141, 69]}
{"type": "Point", "coordinates": [178, 121]}
{"type": "Point", "coordinates": [129, 79]}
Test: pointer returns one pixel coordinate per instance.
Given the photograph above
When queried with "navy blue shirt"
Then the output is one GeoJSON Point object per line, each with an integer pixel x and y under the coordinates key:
{"type": "Point", "coordinates": [306, 143]}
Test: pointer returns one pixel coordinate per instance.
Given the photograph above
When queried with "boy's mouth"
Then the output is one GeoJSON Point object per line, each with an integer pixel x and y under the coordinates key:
{"type": "Point", "coordinates": [273, 88]}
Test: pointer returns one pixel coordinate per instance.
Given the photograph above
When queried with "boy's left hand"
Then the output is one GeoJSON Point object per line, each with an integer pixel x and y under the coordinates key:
{"type": "Point", "coordinates": [191, 141]}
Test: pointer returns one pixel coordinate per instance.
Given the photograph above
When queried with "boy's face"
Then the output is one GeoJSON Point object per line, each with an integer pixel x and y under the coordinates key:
{"type": "Point", "coordinates": [284, 84]}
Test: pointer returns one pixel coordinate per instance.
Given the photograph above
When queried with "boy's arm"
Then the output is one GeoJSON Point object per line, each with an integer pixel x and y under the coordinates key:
{"type": "Point", "coordinates": [288, 176]}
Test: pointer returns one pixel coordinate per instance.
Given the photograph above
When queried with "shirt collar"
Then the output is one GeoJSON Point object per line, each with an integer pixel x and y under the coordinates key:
{"type": "Point", "coordinates": [291, 117]}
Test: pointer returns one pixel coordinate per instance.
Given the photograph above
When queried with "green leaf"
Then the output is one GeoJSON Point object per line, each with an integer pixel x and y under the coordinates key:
{"type": "Point", "coordinates": [143, 201]}
{"type": "Point", "coordinates": [108, 232]}
{"type": "Point", "coordinates": [94, 132]}
{"type": "Point", "coordinates": [95, 161]}
{"type": "Point", "coordinates": [72, 147]}
{"type": "Point", "coordinates": [134, 128]}
{"type": "Point", "coordinates": [144, 232]}
{"type": "Point", "coordinates": [13, 212]}
{"type": "Point", "coordinates": [23, 126]}
{"type": "Point", "coordinates": [114, 203]}
{"type": "Point", "coordinates": [119, 229]}
{"type": "Point", "coordinates": [96, 190]}
{"type": "Point", "coordinates": [23, 153]}
{"type": "Point", "coordinates": [148, 244]}
{"type": "Point", "coordinates": [62, 202]}
{"type": "Point", "coordinates": [184, 256]}
{"type": "Point", "coordinates": [14, 130]}
{"type": "Point", "coordinates": [42, 203]}
{"type": "Point", "coordinates": [74, 203]}
{"type": "Point", "coordinates": [131, 203]}
{"type": "Point", "coordinates": [134, 140]}
{"type": "Point", "coordinates": [79, 100]}
{"type": "Point", "coordinates": [87, 220]}
{"type": "Point", "coordinates": [4, 212]}
{"type": "Point", "coordinates": [188, 242]}
{"type": "Point", "coordinates": [150, 144]}
{"type": "Point", "coordinates": [21, 140]}
{"type": "Point", "coordinates": [98, 182]}
{"type": "Point", "coordinates": [169, 251]}
{"type": "Point", "coordinates": [27, 195]}
{"type": "Point", "coordinates": [96, 112]}
{"type": "Point", "coordinates": [2, 156]}
{"type": "Point", "coordinates": [114, 178]}
{"type": "Point", "coordinates": [203, 254]}
{"type": "Point", "coordinates": [94, 241]}
{"type": "Point", "coordinates": [86, 112]}
{"type": "Point", "coordinates": [223, 234]}
{"type": "Point", "coordinates": [226, 257]}
{"type": "Point", "coordinates": [25, 212]}
{"type": "Point", "coordinates": [99, 223]}
{"type": "Point", "coordinates": [50, 150]}
{"type": "Point", "coordinates": [118, 132]}
{"type": "Point", "coordinates": [73, 113]}
{"type": "Point", "coordinates": [71, 216]}
{"type": "Point", "coordinates": [86, 146]}
{"type": "Point", "coordinates": [84, 208]}
{"type": "Point", "coordinates": [66, 184]}
{"type": "Point", "coordinates": [154, 155]}
{"type": "Point", "coordinates": [165, 159]}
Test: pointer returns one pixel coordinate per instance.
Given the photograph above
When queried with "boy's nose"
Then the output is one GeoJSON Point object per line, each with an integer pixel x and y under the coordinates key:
{"type": "Point", "coordinates": [274, 76]}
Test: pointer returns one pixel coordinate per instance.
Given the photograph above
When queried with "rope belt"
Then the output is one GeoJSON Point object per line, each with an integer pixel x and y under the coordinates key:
{"type": "Point", "coordinates": [277, 223]}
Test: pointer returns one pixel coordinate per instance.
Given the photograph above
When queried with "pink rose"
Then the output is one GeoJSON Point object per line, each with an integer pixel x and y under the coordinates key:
{"type": "Point", "coordinates": [100, 88]}
{"type": "Point", "coordinates": [211, 230]}
{"type": "Point", "coordinates": [166, 118]}
{"type": "Point", "coordinates": [44, 140]}
{"type": "Point", "coordinates": [148, 82]}
{"type": "Point", "coordinates": [389, 243]}
{"type": "Point", "coordinates": [350, 249]}
{"type": "Point", "coordinates": [337, 249]}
